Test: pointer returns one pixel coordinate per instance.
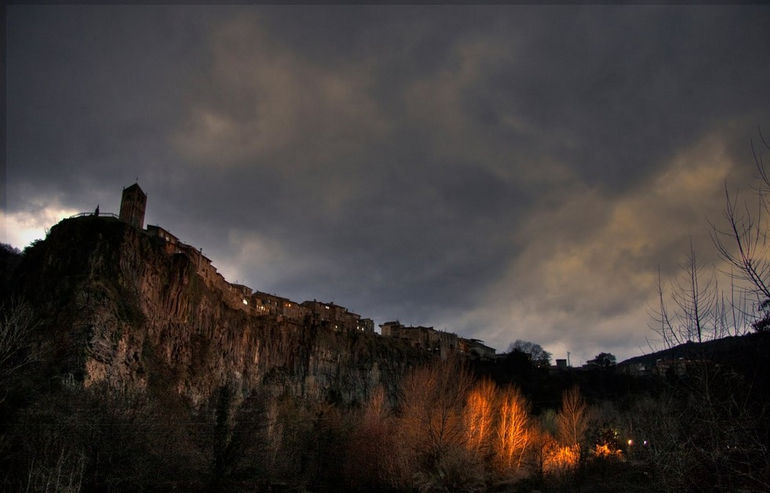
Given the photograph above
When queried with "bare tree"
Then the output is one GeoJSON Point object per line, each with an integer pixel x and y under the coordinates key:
{"type": "Point", "coordinates": [695, 296]}
{"type": "Point", "coordinates": [661, 320]}
{"type": "Point", "coordinates": [372, 460]}
{"type": "Point", "coordinates": [572, 420]}
{"type": "Point", "coordinates": [735, 313]}
{"type": "Point", "coordinates": [513, 433]}
{"type": "Point", "coordinates": [537, 354]}
{"type": "Point", "coordinates": [479, 416]}
{"type": "Point", "coordinates": [743, 243]}
{"type": "Point", "coordinates": [697, 310]}
{"type": "Point", "coordinates": [430, 429]}
{"type": "Point", "coordinates": [17, 322]}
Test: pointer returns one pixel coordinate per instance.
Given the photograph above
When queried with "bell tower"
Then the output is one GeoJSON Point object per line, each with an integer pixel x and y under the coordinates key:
{"type": "Point", "coordinates": [132, 206]}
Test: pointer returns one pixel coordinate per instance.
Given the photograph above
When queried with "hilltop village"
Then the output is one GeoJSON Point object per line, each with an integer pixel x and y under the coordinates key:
{"type": "Point", "coordinates": [237, 296]}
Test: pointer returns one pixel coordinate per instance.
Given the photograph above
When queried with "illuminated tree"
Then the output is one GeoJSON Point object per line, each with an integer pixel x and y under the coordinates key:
{"type": "Point", "coordinates": [560, 459]}
{"type": "Point", "coordinates": [479, 416]}
{"type": "Point", "coordinates": [550, 457]}
{"type": "Point", "coordinates": [513, 434]}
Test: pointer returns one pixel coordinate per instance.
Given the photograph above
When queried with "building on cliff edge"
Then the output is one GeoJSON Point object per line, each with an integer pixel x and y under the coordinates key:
{"type": "Point", "coordinates": [338, 318]}
{"type": "Point", "coordinates": [132, 206]}
{"type": "Point", "coordinates": [437, 341]}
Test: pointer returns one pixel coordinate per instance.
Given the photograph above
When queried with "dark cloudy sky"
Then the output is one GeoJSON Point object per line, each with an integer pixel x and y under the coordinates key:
{"type": "Point", "coordinates": [501, 172]}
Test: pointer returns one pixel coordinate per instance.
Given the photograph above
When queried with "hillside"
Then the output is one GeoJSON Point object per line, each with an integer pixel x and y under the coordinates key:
{"type": "Point", "coordinates": [740, 347]}
{"type": "Point", "coordinates": [746, 355]}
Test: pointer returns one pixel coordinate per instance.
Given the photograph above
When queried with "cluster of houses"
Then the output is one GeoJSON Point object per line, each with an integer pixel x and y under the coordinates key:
{"type": "Point", "coordinates": [257, 303]}
{"type": "Point", "coordinates": [668, 366]}
{"type": "Point", "coordinates": [437, 341]}
{"type": "Point", "coordinates": [338, 318]}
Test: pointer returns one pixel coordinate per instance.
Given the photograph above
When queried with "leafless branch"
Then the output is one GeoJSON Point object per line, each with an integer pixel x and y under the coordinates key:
{"type": "Point", "coordinates": [17, 322]}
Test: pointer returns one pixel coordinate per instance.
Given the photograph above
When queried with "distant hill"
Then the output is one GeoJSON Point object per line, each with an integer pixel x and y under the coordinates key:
{"type": "Point", "coordinates": [725, 349]}
{"type": "Point", "coordinates": [746, 355]}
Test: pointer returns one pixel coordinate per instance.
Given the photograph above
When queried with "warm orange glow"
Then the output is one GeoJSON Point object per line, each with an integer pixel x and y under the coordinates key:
{"type": "Point", "coordinates": [512, 433]}
{"type": "Point", "coordinates": [559, 458]}
{"type": "Point", "coordinates": [603, 450]}
{"type": "Point", "coordinates": [479, 415]}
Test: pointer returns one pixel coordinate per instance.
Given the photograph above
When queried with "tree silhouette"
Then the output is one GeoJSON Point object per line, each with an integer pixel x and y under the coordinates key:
{"type": "Point", "coordinates": [603, 360]}
{"type": "Point", "coordinates": [538, 355]}
{"type": "Point", "coordinates": [743, 243]}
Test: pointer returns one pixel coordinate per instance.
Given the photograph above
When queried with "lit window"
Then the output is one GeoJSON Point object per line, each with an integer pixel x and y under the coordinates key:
{"type": "Point", "coordinates": [245, 302]}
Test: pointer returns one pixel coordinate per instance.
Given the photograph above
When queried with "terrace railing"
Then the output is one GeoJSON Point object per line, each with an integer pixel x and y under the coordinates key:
{"type": "Point", "coordinates": [101, 214]}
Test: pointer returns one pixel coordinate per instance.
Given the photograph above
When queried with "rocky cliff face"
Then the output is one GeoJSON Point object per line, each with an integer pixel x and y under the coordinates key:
{"type": "Point", "coordinates": [115, 307]}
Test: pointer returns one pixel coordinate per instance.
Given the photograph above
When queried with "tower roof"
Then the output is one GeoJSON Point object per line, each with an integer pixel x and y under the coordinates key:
{"type": "Point", "coordinates": [135, 188]}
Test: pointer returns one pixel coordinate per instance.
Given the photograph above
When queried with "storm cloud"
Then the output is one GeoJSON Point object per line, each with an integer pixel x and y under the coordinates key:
{"type": "Point", "coordinates": [503, 172]}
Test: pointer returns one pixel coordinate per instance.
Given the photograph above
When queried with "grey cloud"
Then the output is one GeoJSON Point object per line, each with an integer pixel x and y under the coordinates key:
{"type": "Point", "coordinates": [424, 163]}
{"type": "Point", "coordinates": [91, 90]}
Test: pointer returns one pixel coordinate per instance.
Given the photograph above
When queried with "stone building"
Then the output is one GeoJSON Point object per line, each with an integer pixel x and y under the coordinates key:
{"type": "Point", "coordinates": [270, 304]}
{"type": "Point", "coordinates": [437, 341]}
{"type": "Point", "coordinates": [426, 338]}
{"type": "Point", "coordinates": [476, 349]}
{"type": "Point", "coordinates": [338, 317]}
{"type": "Point", "coordinates": [241, 291]}
{"type": "Point", "coordinates": [170, 242]}
{"type": "Point", "coordinates": [132, 206]}
{"type": "Point", "coordinates": [366, 325]}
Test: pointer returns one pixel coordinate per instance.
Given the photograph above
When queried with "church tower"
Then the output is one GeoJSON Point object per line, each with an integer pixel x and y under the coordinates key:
{"type": "Point", "coordinates": [132, 206]}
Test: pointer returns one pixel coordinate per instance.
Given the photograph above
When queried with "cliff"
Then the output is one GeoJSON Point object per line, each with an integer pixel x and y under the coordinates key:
{"type": "Point", "coordinates": [115, 306]}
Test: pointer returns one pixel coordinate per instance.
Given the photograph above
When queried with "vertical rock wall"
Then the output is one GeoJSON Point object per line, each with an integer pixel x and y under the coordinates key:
{"type": "Point", "coordinates": [118, 308]}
